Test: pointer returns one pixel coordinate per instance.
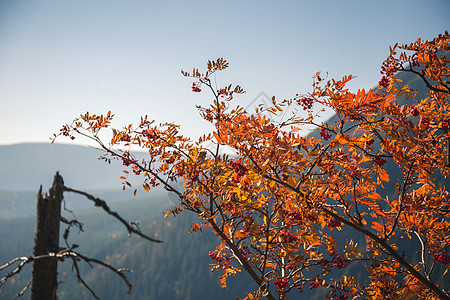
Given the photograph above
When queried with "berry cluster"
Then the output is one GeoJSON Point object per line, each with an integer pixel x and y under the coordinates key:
{"type": "Point", "coordinates": [136, 170]}
{"type": "Point", "coordinates": [386, 288]}
{"type": "Point", "coordinates": [292, 265]}
{"type": "Point", "coordinates": [384, 82]}
{"type": "Point", "coordinates": [293, 217]}
{"type": "Point", "coordinates": [239, 168]}
{"type": "Point", "coordinates": [305, 102]}
{"type": "Point", "coordinates": [125, 138]}
{"type": "Point", "coordinates": [389, 70]}
{"type": "Point", "coordinates": [222, 92]}
{"type": "Point", "coordinates": [442, 258]}
{"type": "Point", "coordinates": [65, 131]}
{"type": "Point", "coordinates": [244, 251]}
{"type": "Point", "coordinates": [224, 261]}
{"type": "Point", "coordinates": [127, 159]}
{"type": "Point", "coordinates": [288, 237]}
{"type": "Point", "coordinates": [339, 262]}
{"type": "Point", "coordinates": [379, 161]}
{"type": "Point", "coordinates": [195, 87]}
{"type": "Point", "coordinates": [208, 115]}
{"type": "Point", "coordinates": [332, 222]}
{"type": "Point", "coordinates": [414, 111]}
{"type": "Point", "coordinates": [313, 285]}
{"type": "Point", "coordinates": [148, 134]}
{"type": "Point", "coordinates": [228, 205]}
{"type": "Point", "coordinates": [214, 255]}
{"type": "Point", "coordinates": [180, 171]}
{"type": "Point", "coordinates": [153, 182]}
{"type": "Point", "coordinates": [312, 217]}
{"type": "Point", "coordinates": [281, 283]}
{"type": "Point", "coordinates": [325, 134]}
{"type": "Point", "coordinates": [355, 171]}
{"type": "Point", "coordinates": [445, 124]}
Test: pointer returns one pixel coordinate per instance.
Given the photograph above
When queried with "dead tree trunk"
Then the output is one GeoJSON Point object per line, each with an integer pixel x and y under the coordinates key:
{"type": "Point", "coordinates": [48, 213]}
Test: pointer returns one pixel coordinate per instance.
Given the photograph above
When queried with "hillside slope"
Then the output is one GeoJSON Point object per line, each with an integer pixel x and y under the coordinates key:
{"type": "Point", "coordinates": [176, 269]}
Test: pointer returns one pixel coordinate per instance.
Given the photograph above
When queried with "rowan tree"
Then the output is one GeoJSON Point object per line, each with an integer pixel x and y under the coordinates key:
{"type": "Point", "coordinates": [278, 202]}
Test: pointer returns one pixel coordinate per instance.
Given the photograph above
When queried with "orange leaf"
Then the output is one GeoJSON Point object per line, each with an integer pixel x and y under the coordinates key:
{"type": "Point", "coordinates": [219, 140]}
{"type": "Point", "coordinates": [377, 226]}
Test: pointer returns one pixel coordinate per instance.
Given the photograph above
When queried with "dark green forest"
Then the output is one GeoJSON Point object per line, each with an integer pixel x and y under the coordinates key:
{"type": "Point", "coordinates": [178, 268]}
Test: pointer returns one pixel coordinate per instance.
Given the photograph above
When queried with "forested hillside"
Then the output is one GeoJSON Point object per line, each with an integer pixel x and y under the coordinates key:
{"type": "Point", "coordinates": [176, 269]}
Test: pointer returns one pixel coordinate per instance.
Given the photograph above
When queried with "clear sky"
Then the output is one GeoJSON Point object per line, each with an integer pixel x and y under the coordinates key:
{"type": "Point", "coordinates": [61, 58]}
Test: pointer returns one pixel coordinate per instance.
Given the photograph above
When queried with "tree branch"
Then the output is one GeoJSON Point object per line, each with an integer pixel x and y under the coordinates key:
{"type": "Point", "coordinates": [61, 255]}
{"type": "Point", "coordinates": [241, 259]}
{"type": "Point", "coordinates": [101, 203]}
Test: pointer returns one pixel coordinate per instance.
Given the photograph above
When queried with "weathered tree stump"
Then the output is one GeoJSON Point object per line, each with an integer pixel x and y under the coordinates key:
{"type": "Point", "coordinates": [48, 216]}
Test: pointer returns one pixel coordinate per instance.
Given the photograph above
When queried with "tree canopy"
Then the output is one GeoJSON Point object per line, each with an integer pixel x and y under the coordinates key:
{"type": "Point", "coordinates": [280, 203]}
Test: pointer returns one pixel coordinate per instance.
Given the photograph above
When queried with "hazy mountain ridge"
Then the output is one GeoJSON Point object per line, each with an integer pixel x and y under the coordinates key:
{"type": "Point", "coordinates": [27, 166]}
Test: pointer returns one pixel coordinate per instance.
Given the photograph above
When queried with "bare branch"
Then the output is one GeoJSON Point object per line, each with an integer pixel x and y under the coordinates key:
{"type": "Point", "coordinates": [101, 203]}
{"type": "Point", "coordinates": [61, 255]}
{"type": "Point", "coordinates": [24, 261]}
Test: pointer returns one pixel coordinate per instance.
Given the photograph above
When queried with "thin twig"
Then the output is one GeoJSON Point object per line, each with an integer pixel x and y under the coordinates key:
{"type": "Point", "coordinates": [20, 294]}
{"type": "Point", "coordinates": [400, 204]}
{"type": "Point", "coordinates": [423, 255]}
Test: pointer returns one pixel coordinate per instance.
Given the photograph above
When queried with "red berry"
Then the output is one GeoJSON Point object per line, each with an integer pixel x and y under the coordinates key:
{"type": "Point", "coordinates": [442, 258]}
{"type": "Point", "coordinates": [332, 222]}
{"type": "Point", "coordinates": [379, 161]}
{"type": "Point", "coordinates": [384, 82]}
{"type": "Point", "coordinates": [288, 237]}
{"type": "Point", "coordinates": [125, 138]}
{"type": "Point", "coordinates": [281, 283]}
{"type": "Point", "coordinates": [306, 103]}
{"type": "Point", "coordinates": [339, 262]}
{"type": "Point", "coordinates": [293, 217]}
{"type": "Point", "coordinates": [414, 111]}
{"type": "Point", "coordinates": [195, 88]}
{"type": "Point", "coordinates": [445, 124]}
{"type": "Point", "coordinates": [325, 134]}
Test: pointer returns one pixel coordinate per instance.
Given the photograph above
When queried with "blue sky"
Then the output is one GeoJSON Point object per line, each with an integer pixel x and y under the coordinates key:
{"type": "Point", "coordinates": [61, 58]}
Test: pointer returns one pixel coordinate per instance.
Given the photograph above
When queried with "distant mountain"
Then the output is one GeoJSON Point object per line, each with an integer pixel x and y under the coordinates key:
{"type": "Point", "coordinates": [24, 167]}
{"type": "Point", "coordinates": [22, 204]}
